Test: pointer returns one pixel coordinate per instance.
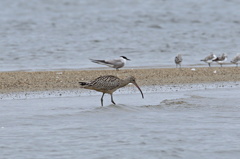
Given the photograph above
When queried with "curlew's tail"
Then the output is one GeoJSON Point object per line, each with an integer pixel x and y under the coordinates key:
{"type": "Point", "coordinates": [84, 84]}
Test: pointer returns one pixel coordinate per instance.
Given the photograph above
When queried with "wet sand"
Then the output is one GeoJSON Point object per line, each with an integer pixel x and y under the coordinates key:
{"type": "Point", "coordinates": [68, 79]}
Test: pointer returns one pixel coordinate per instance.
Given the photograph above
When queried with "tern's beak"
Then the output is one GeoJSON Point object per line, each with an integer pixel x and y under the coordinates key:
{"type": "Point", "coordinates": [128, 59]}
{"type": "Point", "coordinates": [138, 88]}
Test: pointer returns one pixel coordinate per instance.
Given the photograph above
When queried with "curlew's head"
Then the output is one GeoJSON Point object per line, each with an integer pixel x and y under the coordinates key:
{"type": "Point", "coordinates": [132, 80]}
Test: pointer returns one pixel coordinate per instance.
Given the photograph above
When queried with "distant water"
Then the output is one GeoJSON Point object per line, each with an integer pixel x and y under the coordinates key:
{"type": "Point", "coordinates": [191, 123]}
{"type": "Point", "coordinates": [46, 35]}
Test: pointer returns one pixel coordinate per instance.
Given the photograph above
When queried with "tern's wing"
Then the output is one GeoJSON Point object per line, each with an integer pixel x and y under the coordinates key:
{"type": "Point", "coordinates": [115, 63]}
{"type": "Point", "coordinates": [102, 62]}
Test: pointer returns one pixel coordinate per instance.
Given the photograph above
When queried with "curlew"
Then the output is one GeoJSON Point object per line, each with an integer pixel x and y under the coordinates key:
{"type": "Point", "coordinates": [236, 60]}
{"type": "Point", "coordinates": [115, 63]}
{"type": "Point", "coordinates": [209, 59]}
{"type": "Point", "coordinates": [109, 84]}
{"type": "Point", "coordinates": [221, 59]}
{"type": "Point", "coordinates": [178, 60]}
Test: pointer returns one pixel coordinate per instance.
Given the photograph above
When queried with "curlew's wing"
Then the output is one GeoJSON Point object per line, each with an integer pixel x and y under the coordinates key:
{"type": "Point", "coordinates": [107, 82]}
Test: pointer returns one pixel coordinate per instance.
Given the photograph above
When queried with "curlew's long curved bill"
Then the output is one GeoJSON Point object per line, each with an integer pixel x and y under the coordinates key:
{"type": "Point", "coordinates": [139, 89]}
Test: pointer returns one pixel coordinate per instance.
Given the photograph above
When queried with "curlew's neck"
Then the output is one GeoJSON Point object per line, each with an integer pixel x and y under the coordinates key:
{"type": "Point", "coordinates": [124, 82]}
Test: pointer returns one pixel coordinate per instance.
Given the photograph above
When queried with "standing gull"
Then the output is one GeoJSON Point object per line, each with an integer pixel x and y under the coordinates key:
{"type": "Point", "coordinates": [115, 63]}
{"type": "Point", "coordinates": [221, 59]}
{"type": "Point", "coordinates": [236, 60]}
{"type": "Point", "coordinates": [109, 84]}
{"type": "Point", "coordinates": [209, 59]}
{"type": "Point", "coordinates": [178, 60]}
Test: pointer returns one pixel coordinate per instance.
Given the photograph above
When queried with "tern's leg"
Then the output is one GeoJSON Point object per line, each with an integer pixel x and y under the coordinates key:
{"type": "Point", "coordinates": [112, 99]}
{"type": "Point", "coordinates": [102, 99]}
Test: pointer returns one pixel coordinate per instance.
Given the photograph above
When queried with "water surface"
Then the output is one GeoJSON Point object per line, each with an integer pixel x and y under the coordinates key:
{"type": "Point", "coordinates": [47, 35]}
{"type": "Point", "coordinates": [199, 123]}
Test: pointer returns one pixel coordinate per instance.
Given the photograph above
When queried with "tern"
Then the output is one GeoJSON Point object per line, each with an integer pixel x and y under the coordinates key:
{"type": "Point", "coordinates": [114, 63]}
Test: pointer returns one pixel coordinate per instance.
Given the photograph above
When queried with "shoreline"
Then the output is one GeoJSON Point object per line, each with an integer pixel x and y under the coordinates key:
{"type": "Point", "coordinates": [11, 82]}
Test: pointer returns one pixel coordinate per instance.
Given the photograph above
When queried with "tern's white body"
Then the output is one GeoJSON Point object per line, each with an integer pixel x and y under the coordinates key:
{"type": "Point", "coordinates": [114, 63]}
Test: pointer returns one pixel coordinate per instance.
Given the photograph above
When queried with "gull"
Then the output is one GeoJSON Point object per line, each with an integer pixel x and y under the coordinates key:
{"type": "Point", "coordinates": [115, 63]}
{"type": "Point", "coordinates": [221, 59]}
{"type": "Point", "coordinates": [178, 60]}
{"type": "Point", "coordinates": [109, 84]}
{"type": "Point", "coordinates": [236, 60]}
{"type": "Point", "coordinates": [209, 59]}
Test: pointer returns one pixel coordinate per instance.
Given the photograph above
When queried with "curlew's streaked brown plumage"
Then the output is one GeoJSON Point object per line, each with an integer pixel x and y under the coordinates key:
{"type": "Point", "coordinates": [109, 84]}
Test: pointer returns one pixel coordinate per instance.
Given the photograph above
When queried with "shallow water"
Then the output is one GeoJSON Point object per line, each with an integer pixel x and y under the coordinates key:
{"type": "Point", "coordinates": [43, 35]}
{"type": "Point", "coordinates": [169, 124]}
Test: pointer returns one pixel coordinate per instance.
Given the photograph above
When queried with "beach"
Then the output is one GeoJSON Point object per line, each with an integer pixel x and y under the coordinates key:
{"type": "Point", "coordinates": [68, 79]}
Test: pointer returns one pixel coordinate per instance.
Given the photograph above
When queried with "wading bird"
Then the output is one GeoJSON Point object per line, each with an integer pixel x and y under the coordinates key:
{"type": "Point", "coordinates": [109, 84]}
{"type": "Point", "coordinates": [209, 59]}
{"type": "Point", "coordinates": [221, 59]}
{"type": "Point", "coordinates": [236, 60]}
{"type": "Point", "coordinates": [178, 60]}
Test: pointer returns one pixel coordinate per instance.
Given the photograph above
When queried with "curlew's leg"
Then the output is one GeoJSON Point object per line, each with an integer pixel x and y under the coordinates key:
{"type": "Point", "coordinates": [112, 100]}
{"type": "Point", "coordinates": [102, 99]}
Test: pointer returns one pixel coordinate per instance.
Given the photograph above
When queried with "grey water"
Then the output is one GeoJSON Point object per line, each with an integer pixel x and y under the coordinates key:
{"type": "Point", "coordinates": [179, 123]}
{"type": "Point", "coordinates": [48, 35]}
